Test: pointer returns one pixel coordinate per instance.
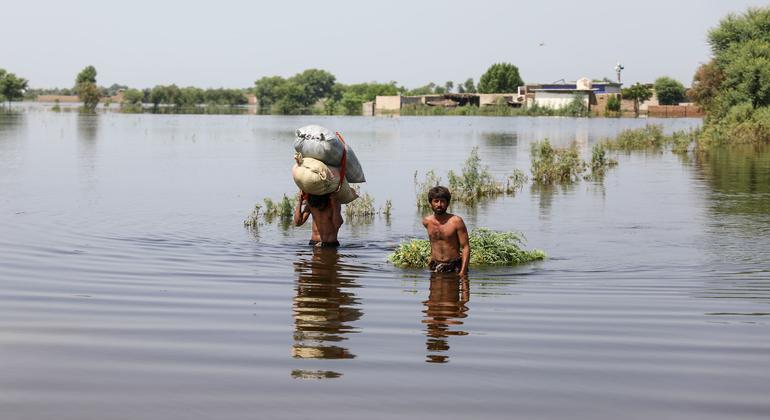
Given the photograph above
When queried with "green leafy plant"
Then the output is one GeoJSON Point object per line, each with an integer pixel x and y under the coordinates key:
{"type": "Point", "coordinates": [551, 165]}
{"type": "Point", "coordinates": [488, 247]}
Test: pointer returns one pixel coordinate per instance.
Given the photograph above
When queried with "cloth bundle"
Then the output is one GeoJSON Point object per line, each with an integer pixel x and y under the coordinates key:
{"type": "Point", "coordinates": [319, 155]}
{"type": "Point", "coordinates": [320, 143]}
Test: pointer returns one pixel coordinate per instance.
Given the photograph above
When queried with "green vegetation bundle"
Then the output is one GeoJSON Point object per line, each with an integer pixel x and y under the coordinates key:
{"type": "Point", "coordinates": [550, 165]}
{"type": "Point", "coordinates": [487, 248]}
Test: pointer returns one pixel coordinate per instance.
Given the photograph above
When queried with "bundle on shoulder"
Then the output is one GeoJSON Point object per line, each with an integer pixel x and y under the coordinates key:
{"type": "Point", "coordinates": [314, 141]}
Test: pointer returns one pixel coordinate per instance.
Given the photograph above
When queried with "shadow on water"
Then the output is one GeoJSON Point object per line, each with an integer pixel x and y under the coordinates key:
{"type": "Point", "coordinates": [324, 308]}
{"type": "Point", "coordinates": [444, 311]}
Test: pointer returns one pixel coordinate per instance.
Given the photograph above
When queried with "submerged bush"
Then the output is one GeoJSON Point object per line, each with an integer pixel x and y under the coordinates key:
{"type": "Point", "coordinates": [283, 210]}
{"type": "Point", "coordinates": [647, 137]}
{"type": "Point", "coordinates": [487, 248]}
{"type": "Point", "coordinates": [473, 183]}
{"type": "Point", "coordinates": [421, 188]}
{"type": "Point", "coordinates": [363, 206]}
{"type": "Point", "coordinates": [650, 137]}
{"type": "Point", "coordinates": [515, 181]}
{"type": "Point", "coordinates": [600, 162]}
{"type": "Point", "coordinates": [550, 165]}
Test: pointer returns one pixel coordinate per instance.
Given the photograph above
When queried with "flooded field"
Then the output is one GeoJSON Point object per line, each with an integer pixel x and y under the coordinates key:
{"type": "Point", "coordinates": [129, 287]}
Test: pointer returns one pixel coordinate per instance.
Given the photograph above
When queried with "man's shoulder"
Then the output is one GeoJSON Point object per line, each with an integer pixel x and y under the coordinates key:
{"type": "Point", "coordinates": [457, 220]}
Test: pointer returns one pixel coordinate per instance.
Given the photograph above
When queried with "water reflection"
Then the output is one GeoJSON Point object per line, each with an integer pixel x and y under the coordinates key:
{"type": "Point", "coordinates": [739, 178]}
{"type": "Point", "coordinates": [501, 139]}
{"type": "Point", "coordinates": [324, 308]}
{"type": "Point", "coordinates": [444, 311]}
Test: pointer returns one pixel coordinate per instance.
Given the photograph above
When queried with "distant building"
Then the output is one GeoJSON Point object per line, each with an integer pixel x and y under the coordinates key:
{"type": "Point", "coordinates": [594, 94]}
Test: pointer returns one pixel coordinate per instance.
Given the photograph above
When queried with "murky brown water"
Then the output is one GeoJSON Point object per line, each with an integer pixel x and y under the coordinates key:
{"type": "Point", "coordinates": [130, 289]}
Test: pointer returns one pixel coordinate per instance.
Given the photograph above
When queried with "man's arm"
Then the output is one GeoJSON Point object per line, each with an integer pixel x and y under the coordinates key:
{"type": "Point", "coordinates": [462, 237]}
{"type": "Point", "coordinates": [300, 214]}
{"type": "Point", "coordinates": [336, 211]}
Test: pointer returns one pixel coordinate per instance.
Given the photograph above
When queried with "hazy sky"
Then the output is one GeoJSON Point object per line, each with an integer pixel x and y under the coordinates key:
{"type": "Point", "coordinates": [231, 43]}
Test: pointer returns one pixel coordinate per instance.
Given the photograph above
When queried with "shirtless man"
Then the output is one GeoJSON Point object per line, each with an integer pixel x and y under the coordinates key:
{"type": "Point", "coordinates": [327, 218]}
{"type": "Point", "coordinates": [449, 247]}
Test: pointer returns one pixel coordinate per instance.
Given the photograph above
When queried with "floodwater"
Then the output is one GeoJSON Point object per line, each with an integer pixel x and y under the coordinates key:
{"type": "Point", "coordinates": [130, 289]}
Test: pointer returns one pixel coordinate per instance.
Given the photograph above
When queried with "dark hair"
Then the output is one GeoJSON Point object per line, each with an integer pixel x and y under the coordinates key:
{"type": "Point", "coordinates": [439, 192]}
{"type": "Point", "coordinates": [318, 201]}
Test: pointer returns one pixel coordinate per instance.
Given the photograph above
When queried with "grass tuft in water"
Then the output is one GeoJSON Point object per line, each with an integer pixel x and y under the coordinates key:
{"type": "Point", "coordinates": [362, 207]}
{"type": "Point", "coordinates": [282, 210]}
{"type": "Point", "coordinates": [600, 163]}
{"type": "Point", "coordinates": [472, 184]}
{"type": "Point", "coordinates": [551, 165]}
{"type": "Point", "coordinates": [422, 188]}
{"type": "Point", "coordinates": [515, 181]}
{"type": "Point", "coordinates": [645, 138]}
{"type": "Point", "coordinates": [474, 181]}
{"type": "Point", "coordinates": [488, 247]}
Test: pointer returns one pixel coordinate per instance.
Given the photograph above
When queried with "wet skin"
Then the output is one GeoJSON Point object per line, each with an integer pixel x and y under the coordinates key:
{"type": "Point", "coordinates": [448, 235]}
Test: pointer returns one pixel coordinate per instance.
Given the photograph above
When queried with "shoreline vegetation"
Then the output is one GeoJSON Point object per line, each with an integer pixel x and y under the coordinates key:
{"type": "Point", "coordinates": [733, 89]}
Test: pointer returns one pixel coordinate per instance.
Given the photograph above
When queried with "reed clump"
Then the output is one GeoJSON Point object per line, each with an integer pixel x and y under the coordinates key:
{"type": "Point", "coordinates": [600, 163]}
{"type": "Point", "coordinates": [645, 138]}
{"type": "Point", "coordinates": [555, 165]}
{"type": "Point", "coordinates": [651, 137]}
{"type": "Point", "coordinates": [282, 210]}
{"type": "Point", "coordinates": [363, 210]}
{"type": "Point", "coordinates": [488, 247]}
{"type": "Point", "coordinates": [473, 183]}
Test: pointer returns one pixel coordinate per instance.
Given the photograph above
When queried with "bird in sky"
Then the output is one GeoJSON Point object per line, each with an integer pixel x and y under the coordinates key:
{"type": "Point", "coordinates": [542, 44]}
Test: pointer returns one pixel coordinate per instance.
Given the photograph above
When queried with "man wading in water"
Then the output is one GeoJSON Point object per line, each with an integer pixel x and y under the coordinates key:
{"type": "Point", "coordinates": [327, 218]}
{"type": "Point", "coordinates": [449, 247]}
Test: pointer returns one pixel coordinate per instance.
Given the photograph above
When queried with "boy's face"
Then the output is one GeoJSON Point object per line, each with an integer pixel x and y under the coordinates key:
{"type": "Point", "coordinates": [439, 206]}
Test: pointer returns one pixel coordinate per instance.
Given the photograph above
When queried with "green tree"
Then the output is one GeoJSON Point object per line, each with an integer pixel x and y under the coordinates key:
{"type": "Point", "coordinates": [735, 87]}
{"type": "Point", "coordinates": [266, 91]}
{"type": "Point", "coordinates": [428, 89]}
{"type": "Point", "coordinates": [736, 29]}
{"type": "Point", "coordinates": [11, 87]}
{"type": "Point", "coordinates": [669, 91]}
{"type": "Point", "coordinates": [500, 78]}
{"type": "Point", "coordinates": [638, 93]}
{"type": "Point", "coordinates": [706, 84]}
{"type": "Point", "coordinates": [133, 96]}
{"type": "Point", "coordinates": [316, 83]}
{"type": "Point", "coordinates": [449, 86]}
{"type": "Point", "coordinates": [85, 86]}
{"type": "Point", "coordinates": [469, 86]}
{"type": "Point", "coordinates": [355, 95]}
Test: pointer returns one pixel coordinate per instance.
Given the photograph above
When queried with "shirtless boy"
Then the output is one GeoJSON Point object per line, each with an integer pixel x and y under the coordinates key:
{"type": "Point", "coordinates": [449, 247]}
{"type": "Point", "coordinates": [327, 218]}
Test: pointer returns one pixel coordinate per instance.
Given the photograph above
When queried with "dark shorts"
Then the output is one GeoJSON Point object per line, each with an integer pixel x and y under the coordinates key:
{"type": "Point", "coordinates": [320, 244]}
{"type": "Point", "coordinates": [452, 266]}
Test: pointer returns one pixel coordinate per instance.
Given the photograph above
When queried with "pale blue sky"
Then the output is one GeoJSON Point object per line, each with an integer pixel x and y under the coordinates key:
{"type": "Point", "coordinates": [231, 43]}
